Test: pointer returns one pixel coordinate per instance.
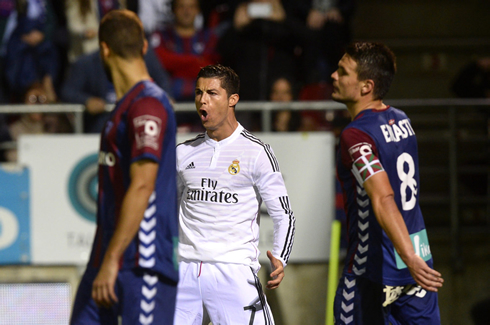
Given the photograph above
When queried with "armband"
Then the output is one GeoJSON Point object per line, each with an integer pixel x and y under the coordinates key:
{"type": "Point", "coordinates": [365, 167]}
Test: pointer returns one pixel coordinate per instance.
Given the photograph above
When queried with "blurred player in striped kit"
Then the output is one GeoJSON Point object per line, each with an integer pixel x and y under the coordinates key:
{"type": "Point", "coordinates": [132, 272]}
{"type": "Point", "coordinates": [388, 275]}
{"type": "Point", "coordinates": [223, 177]}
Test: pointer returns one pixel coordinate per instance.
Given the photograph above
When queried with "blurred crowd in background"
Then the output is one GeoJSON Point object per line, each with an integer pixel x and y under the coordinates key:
{"type": "Point", "coordinates": [283, 50]}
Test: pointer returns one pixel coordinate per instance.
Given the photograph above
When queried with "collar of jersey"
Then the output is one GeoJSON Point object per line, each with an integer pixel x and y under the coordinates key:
{"type": "Point", "coordinates": [372, 110]}
{"type": "Point", "coordinates": [127, 94]}
{"type": "Point", "coordinates": [225, 141]}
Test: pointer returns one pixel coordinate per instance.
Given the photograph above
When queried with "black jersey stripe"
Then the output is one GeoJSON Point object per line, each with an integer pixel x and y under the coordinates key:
{"type": "Point", "coordinates": [267, 148]}
{"type": "Point", "coordinates": [291, 228]}
{"type": "Point", "coordinates": [265, 306]}
{"type": "Point", "coordinates": [272, 158]}
{"type": "Point", "coordinates": [270, 154]}
{"type": "Point", "coordinates": [197, 137]}
{"type": "Point", "coordinates": [288, 244]}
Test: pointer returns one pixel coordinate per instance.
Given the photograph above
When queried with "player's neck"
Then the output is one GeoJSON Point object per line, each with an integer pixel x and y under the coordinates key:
{"type": "Point", "coordinates": [127, 73]}
{"type": "Point", "coordinates": [223, 131]}
{"type": "Point", "coordinates": [356, 107]}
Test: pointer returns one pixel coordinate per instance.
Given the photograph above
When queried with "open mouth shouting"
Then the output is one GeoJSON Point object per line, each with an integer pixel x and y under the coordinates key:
{"type": "Point", "coordinates": [204, 115]}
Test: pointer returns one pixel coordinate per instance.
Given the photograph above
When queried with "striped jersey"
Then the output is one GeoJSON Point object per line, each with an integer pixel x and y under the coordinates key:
{"type": "Point", "coordinates": [141, 126]}
{"type": "Point", "coordinates": [376, 141]}
{"type": "Point", "coordinates": [221, 186]}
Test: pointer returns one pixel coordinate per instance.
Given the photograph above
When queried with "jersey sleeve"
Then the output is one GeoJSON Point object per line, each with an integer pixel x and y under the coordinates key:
{"type": "Point", "coordinates": [147, 123]}
{"type": "Point", "coordinates": [359, 154]}
{"type": "Point", "coordinates": [271, 187]}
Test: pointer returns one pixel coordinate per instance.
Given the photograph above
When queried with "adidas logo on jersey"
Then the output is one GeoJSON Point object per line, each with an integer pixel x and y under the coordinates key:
{"type": "Point", "coordinates": [190, 166]}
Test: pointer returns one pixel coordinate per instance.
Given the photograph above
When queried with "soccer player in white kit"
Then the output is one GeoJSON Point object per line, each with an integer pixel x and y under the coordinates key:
{"type": "Point", "coordinates": [223, 177]}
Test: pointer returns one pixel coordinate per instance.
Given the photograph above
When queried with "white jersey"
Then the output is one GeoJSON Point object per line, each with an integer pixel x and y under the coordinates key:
{"type": "Point", "coordinates": [221, 187]}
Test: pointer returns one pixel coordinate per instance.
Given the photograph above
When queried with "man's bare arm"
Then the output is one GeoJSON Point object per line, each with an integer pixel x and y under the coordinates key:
{"type": "Point", "coordinates": [390, 219]}
{"type": "Point", "coordinates": [143, 174]}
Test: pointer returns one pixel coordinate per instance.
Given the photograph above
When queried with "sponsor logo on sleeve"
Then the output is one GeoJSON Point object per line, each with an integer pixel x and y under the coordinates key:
{"type": "Point", "coordinates": [147, 131]}
{"type": "Point", "coordinates": [420, 242]}
{"type": "Point", "coordinates": [360, 149]}
{"type": "Point", "coordinates": [107, 159]}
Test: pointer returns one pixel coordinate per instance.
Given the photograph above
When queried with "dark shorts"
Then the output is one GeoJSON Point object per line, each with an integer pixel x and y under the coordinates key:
{"type": "Point", "coordinates": [360, 302]}
{"type": "Point", "coordinates": [144, 298]}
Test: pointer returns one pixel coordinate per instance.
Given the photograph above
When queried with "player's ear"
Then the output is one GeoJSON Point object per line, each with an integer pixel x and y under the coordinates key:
{"type": "Point", "coordinates": [367, 87]}
{"type": "Point", "coordinates": [145, 47]}
{"type": "Point", "coordinates": [233, 100]}
{"type": "Point", "coordinates": [104, 49]}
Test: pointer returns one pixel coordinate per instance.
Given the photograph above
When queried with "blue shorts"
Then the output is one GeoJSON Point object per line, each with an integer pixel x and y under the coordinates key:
{"type": "Point", "coordinates": [144, 298]}
{"type": "Point", "coordinates": [360, 301]}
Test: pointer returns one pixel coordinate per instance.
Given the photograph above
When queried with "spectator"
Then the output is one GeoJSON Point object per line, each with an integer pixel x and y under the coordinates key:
{"type": "Point", "coordinates": [266, 36]}
{"type": "Point", "coordinates": [330, 30]}
{"type": "Point", "coordinates": [83, 18]}
{"type": "Point", "coordinates": [30, 123]}
{"type": "Point", "coordinates": [82, 22]}
{"type": "Point", "coordinates": [473, 81]}
{"type": "Point", "coordinates": [284, 120]}
{"type": "Point", "coordinates": [218, 14]}
{"type": "Point", "coordinates": [30, 55]}
{"type": "Point", "coordinates": [155, 14]}
{"type": "Point", "coordinates": [183, 49]}
{"type": "Point", "coordinates": [282, 90]}
{"type": "Point", "coordinates": [87, 84]}
{"type": "Point", "coordinates": [36, 123]}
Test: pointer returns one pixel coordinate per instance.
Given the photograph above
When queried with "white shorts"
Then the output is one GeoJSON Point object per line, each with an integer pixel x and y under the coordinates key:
{"type": "Point", "coordinates": [231, 293]}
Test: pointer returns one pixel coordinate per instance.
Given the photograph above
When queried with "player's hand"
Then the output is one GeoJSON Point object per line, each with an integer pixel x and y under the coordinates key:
{"type": "Point", "coordinates": [426, 277]}
{"type": "Point", "coordinates": [277, 272]}
{"type": "Point", "coordinates": [103, 285]}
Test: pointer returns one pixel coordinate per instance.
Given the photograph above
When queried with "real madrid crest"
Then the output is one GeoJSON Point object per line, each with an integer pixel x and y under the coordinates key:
{"type": "Point", "coordinates": [234, 167]}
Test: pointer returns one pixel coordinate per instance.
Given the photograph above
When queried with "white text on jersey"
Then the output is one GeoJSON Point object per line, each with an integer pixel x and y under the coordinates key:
{"type": "Point", "coordinates": [397, 132]}
{"type": "Point", "coordinates": [107, 158]}
{"type": "Point", "coordinates": [213, 195]}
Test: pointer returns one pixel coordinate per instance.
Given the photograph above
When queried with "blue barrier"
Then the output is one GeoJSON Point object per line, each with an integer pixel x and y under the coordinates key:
{"type": "Point", "coordinates": [15, 246]}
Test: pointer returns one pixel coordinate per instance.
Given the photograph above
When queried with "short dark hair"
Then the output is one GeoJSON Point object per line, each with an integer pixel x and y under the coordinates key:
{"type": "Point", "coordinates": [123, 33]}
{"type": "Point", "coordinates": [374, 61]}
{"type": "Point", "coordinates": [229, 79]}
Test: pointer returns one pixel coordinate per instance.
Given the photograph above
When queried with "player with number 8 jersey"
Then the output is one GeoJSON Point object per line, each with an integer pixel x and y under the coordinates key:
{"type": "Point", "coordinates": [380, 140]}
{"type": "Point", "coordinates": [388, 276]}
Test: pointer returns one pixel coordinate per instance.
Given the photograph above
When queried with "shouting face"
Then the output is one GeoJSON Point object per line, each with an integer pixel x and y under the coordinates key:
{"type": "Point", "coordinates": [215, 107]}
